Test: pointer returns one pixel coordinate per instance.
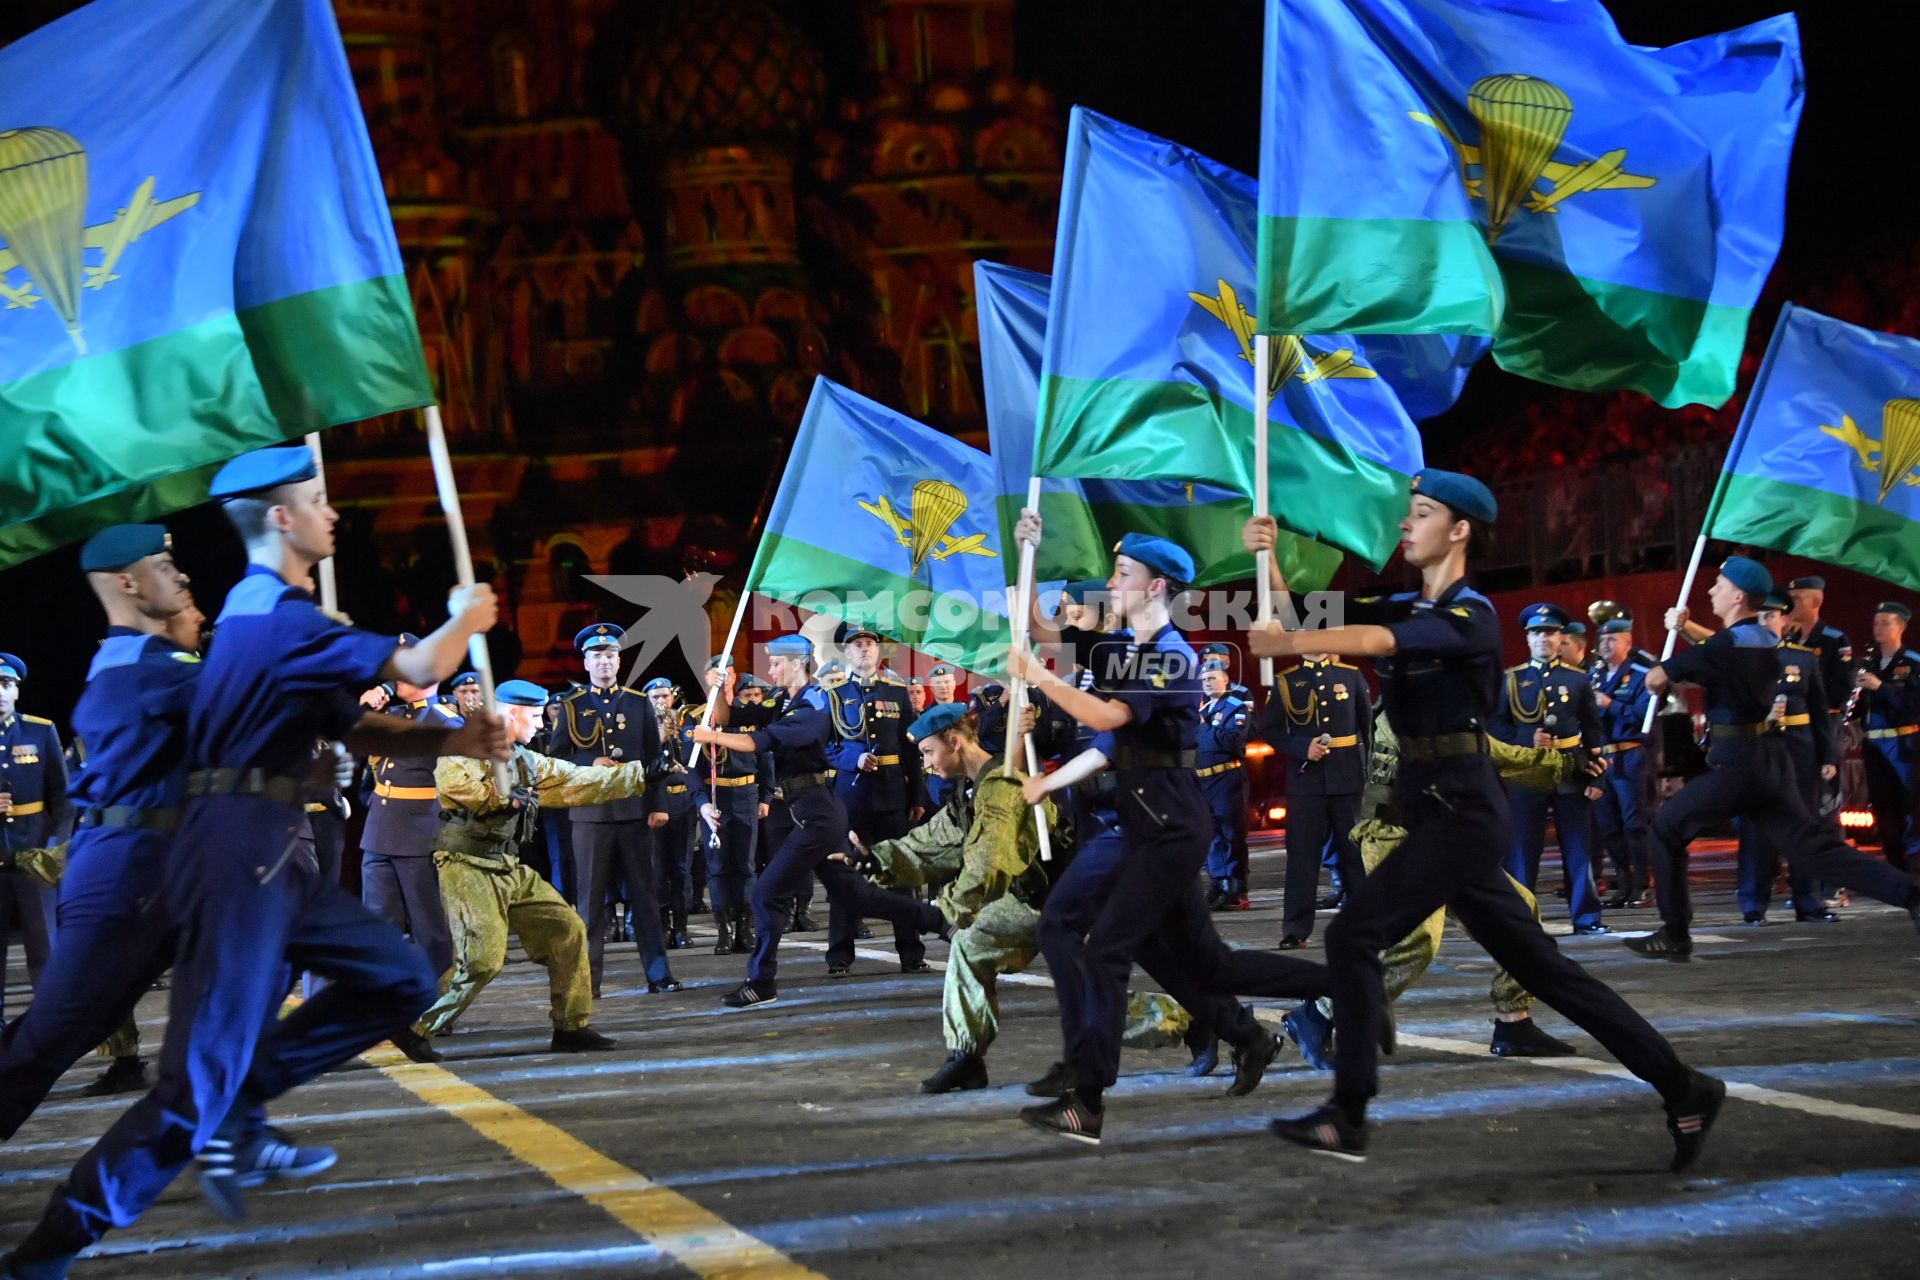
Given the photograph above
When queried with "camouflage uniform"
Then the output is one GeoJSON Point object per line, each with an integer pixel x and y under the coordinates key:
{"type": "Point", "coordinates": [487, 890]}
{"type": "Point", "coordinates": [981, 852]}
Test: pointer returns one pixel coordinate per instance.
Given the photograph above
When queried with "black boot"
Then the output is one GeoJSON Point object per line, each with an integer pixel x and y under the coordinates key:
{"type": "Point", "coordinates": [722, 944]}
{"type": "Point", "coordinates": [802, 922]}
{"type": "Point", "coordinates": [126, 1075]}
{"type": "Point", "coordinates": [960, 1071]}
{"type": "Point", "coordinates": [743, 939]}
{"type": "Point", "coordinates": [667, 931]}
{"type": "Point", "coordinates": [678, 935]}
{"type": "Point", "coordinates": [580, 1040]}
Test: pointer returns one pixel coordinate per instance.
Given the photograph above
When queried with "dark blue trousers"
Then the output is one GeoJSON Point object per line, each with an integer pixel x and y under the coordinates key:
{"type": "Point", "coordinates": [32, 902]}
{"type": "Point", "coordinates": [1890, 792]}
{"type": "Point", "coordinates": [249, 905]}
{"type": "Point", "coordinates": [815, 826]}
{"type": "Point", "coordinates": [1758, 865]}
{"type": "Point", "coordinates": [1573, 819]}
{"type": "Point", "coordinates": [842, 925]}
{"type": "Point", "coordinates": [1228, 861]}
{"type": "Point", "coordinates": [1622, 815]}
{"type": "Point", "coordinates": [602, 851]}
{"type": "Point", "coordinates": [730, 860]}
{"type": "Point", "coordinates": [405, 892]}
{"type": "Point", "coordinates": [1314, 823]}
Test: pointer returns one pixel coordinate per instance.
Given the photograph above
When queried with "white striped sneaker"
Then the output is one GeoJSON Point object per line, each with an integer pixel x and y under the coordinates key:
{"type": "Point", "coordinates": [1066, 1117]}
{"type": "Point", "coordinates": [749, 994]}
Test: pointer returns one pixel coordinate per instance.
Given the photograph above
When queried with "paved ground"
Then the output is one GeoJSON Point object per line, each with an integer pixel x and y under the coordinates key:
{"type": "Point", "coordinates": [792, 1138]}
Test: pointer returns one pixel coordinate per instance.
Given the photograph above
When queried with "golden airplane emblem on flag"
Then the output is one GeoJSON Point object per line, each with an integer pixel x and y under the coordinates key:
{"type": "Point", "coordinates": [924, 530]}
{"type": "Point", "coordinates": [1291, 358]}
{"type": "Point", "coordinates": [1895, 457]}
{"type": "Point", "coordinates": [43, 204]}
{"type": "Point", "coordinates": [1522, 121]}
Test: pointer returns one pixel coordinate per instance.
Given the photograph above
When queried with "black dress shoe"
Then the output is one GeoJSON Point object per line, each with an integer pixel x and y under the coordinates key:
{"type": "Point", "coordinates": [863, 934]}
{"type": "Point", "coordinates": [1525, 1039]}
{"type": "Point", "coordinates": [1060, 1080]}
{"type": "Point", "coordinates": [1689, 1119]}
{"type": "Point", "coordinates": [665, 984]}
{"type": "Point", "coordinates": [802, 922]}
{"type": "Point", "coordinates": [416, 1046]}
{"type": "Point", "coordinates": [915, 966]}
{"type": "Point", "coordinates": [1251, 1060]}
{"type": "Point", "coordinates": [1291, 943]}
{"type": "Point", "coordinates": [837, 969]}
{"type": "Point", "coordinates": [1066, 1118]}
{"type": "Point", "coordinates": [1330, 902]}
{"type": "Point", "coordinates": [1325, 1131]}
{"type": "Point", "coordinates": [1815, 917]}
{"type": "Point", "coordinates": [961, 1071]}
{"type": "Point", "coordinates": [124, 1075]}
{"type": "Point", "coordinates": [748, 994]}
{"type": "Point", "coordinates": [1614, 901]}
{"type": "Point", "coordinates": [1663, 943]}
{"type": "Point", "coordinates": [580, 1040]}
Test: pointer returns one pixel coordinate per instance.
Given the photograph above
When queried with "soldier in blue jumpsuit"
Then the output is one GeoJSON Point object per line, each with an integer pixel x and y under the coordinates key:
{"type": "Point", "coordinates": [1220, 762]}
{"type": "Point", "coordinates": [1437, 652]}
{"type": "Point", "coordinates": [1750, 774]}
{"type": "Point", "coordinates": [735, 790]}
{"type": "Point", "coordinates": [877, 777]}
{"type": "Point", "coordinates": [34, 814]}
{"type": "Point", "coordinates": [1889, 683]}
{"type": "Point", "coordinates": [604, 722]}
{"type": "Point", "coordinates": [1624, 810]}
{"type": "Point", "coordinates": [796, 728]}
{"type": "Point", "coordinates": [1321, 717]}
{"type": "Point", "coordinates": [1545, 703]}
{"type": "Point", "coordinates": [1833, 650]}
{"type": "Point", "coordinates": [397, 877]}
{"type": "Point", "coordinates": [1800, 704]}
{"type": "Point", "coordinates": [114, 936]}
{"type": "Point", "coordinates": [246, 903]}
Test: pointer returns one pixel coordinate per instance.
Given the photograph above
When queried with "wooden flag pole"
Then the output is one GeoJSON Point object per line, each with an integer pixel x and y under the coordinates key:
{"type": "Point", "coordinates": [463, 568]}
{"type": "Point", "coordinates": [329, 589]}
{"type": "Point", "coordinates": [1263, 562]}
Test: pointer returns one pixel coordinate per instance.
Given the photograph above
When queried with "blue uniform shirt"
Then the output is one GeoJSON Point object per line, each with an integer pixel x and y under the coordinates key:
{"type": "Point", "coordinates": [873, 715]}
{"type": "Point", "coordinates": [1738, 671]}
{"type": "Point", "coordinates": [619, 724]}
{"type": "Point", "coordinates": [403, 810]}
{"type": "Point", "coordinates": [1158, 680]}
{"type": "Point", "coordinates": [1444, 673]}
{"type": "Point", "coordinates": [1545, 693]}
{"type": "Point", "coordinates": [1620, 720]}
{"type": "Point", "coordinates": [1223, 731]}
{"type": "Point", "coordinates": [795, 732]}
{"type": "Point", "coordinates": [33, 771]}
{"type": "Point", "coordinates": [1312, 698]}
{"type": "Point", "coordinates": [1808, 727]}
{"type": "Point", "coordinates": [131, 723]}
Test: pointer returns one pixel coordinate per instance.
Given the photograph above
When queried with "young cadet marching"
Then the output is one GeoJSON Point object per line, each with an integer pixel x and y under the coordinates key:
{"type": "Point", "coordinates": [1545, 703]}
{"type": "Point", "coordinates": [735, 790]}
{"type": "Point", "coordinates": [34, 815]}
{"type": "Point", "coordinates": [247, 904]}
{"type": "Point", "coordinates": [1321, 718]}
{"type": "Point", "coordinates": [1438, 654]}
{"type": "Point", "coordinates": [876, 775]}
{"type": "Point", "coordinates": [1750, 773]}
{"type": "Point", "coordinates": [1624, 810]}
{"type": "Point", "coordinates": [115, 938]}
{"type": "Point", "coordinates": [397, 879]}
{"type": "Point", "coordinates": [489, 892]}
{"type": "Point", "coordinates": [1889, 684]}
{"type": "Point", "coordinates": [1220, 759]}
{"type": "Point", "coordinates": [671, 793]}
{"type": "Point", "coordinates": [605, 723]}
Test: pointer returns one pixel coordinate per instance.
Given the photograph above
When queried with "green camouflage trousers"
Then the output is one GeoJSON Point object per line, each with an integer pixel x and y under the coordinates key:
{"type": "Point", "coordinates": [1004, 938]}
{"type": "Point", "coordinates": [483, 901]}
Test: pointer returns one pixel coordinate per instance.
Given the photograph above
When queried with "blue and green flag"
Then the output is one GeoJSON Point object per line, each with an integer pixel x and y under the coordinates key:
{"type": "Point", "coordinates": [882, 520]}
{"type": "Point", "coordinates": [1149, 355]}
{"type": "Point", "coordinates": [1607, 212]}
{"type": "Point", "coordinates": [1085, 518]}
{"type": "Point", "coordinates": [195, 255]}
{"type": "Point", "coordinates": [1827, 462]}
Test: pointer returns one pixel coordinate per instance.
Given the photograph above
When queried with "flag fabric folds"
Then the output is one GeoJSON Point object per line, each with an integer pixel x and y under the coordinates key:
{"type": "Point", "coordinates": [885, 521]}
{"type": "Point", "coordinates": [1085, 518]}
{"type": "Point", "coordinates": [1607, 212]}
{"type": "Point", "coordinates": [1827, 463]}
{"type": "Point", "coordinates": [198, 257]}
{"type": "Point", "coordinates": [1149, 353]}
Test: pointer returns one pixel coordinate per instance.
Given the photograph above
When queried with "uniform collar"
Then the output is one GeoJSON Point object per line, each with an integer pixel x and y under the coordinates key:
{"type": "Point", "coordinates": [1544, 664]}
{"type": "Point", "coordinates": [6, 721]}
{"type": "Point", "coordinates": [1314, 664]}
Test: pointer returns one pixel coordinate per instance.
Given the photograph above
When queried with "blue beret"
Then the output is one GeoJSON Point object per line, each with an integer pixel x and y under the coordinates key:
{"type": "Point", "coordinates": [719, 660]}
{"type": "Point", "coordinates": [1167, 559]}
{"type": "Point", "coordinates": [1748, 575]}
{"type": "Point", "coordinates": [1575, 628]}
{"type": "Point", "coordinates": [601, 635]}
{"type": "Point", "coordinates": [1213, 662]}
{"type": "Point", "coordinates": [658, 682]}
{"type": "Point", "coordinates": [1617, 627]}
{"type": "Point", "coordinates": [1776, 599]}
{"type": "Point", "coordinates": [466, 678]}
{"type": "Point", "coordinates": [791, 646]}
{"type": "Point", "coordinates": [1811, 582]}
{"type": "Point", "coordinates": [1543, 617]}
{"type": "Point", "coordinates": [118, 546]}
{"type": "Point", "coordinates": [517, 693]}
{"type": "Point", "coordinates": [1081, 591]}
{"type": "Point", "coordinates": [1464, 495]}
{"type": "Point", "coordinates": [263, 469]}
{"type": "Point", "coordinates": [852, 631]}
{"type": "Point", "coordinates": [938, 718]}
{"type": "Point", "coordinates": [752, 681]}
{"type": "Point", "coordinates": [11, 668]}
{"type": "Point", "coordinates": [942, 669]}
{"type": "Point", "coordinates": [1893, 607]}
{"type": "Point", "coordinates": [1216, 649]}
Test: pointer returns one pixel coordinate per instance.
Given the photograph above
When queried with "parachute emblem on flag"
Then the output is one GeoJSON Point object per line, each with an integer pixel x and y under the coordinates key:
{"type": "Point", "coordinates": [1895, 455]}
{"type": "Point", "coordinates": [1291, 358]}
{"type": "Point", "coordinates": [1522, 120]}
{"type": "Point", "coordinates": [43, 207]}
{"type": "Point", "coordinates": [931, 512]}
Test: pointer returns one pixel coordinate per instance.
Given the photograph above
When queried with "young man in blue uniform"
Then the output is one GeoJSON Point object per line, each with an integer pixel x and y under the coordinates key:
{"type": "Point", "coordinates": [131, 722]}
{"type": "Point", "coordinates": [1545, 703]}
{"type": "Point", "coordinates": [672, 793]}
{"type": "Point", "coordinates": [1625, 808]}
{"type": "Point", "coordinates": [1889, 683]}
{"type": "Point", "coordinates": [1438, 654]}
{"type": "Point", "coordinates": [1833, 651]}
{"type": "Point", "coordinates": [735, 790]}
{"type": "Point", "coordinates": [1750, 772]}
{"type": "Point", "coordinates": [1220, 762]}
{"type": "Point", "coordinates": [1321, 718]}
{"type": "Point", "coordinates": [245, 901]}
{"type": "Point", "coordinates": [34, 814]}
{"type": "Point", "coordinates": [1800, 716]}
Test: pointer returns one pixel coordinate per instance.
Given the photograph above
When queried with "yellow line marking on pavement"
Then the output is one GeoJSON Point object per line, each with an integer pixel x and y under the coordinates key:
{"type": "Point", "coordinates": [705, 1244]}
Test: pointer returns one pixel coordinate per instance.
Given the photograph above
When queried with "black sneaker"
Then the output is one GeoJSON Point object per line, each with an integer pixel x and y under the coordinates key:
{"type": "Point", "coordinates": [581, 1040]}
{"type": "Point", "coordinates": [1292, 942]}
{"type": "Point", "coordinates": [1664, 943]}
{"type": "Point", "coordinates": [1312, 1035]}
{"type": "Point", "coordinates": [748, 994]}
{"type": "Point", "coordinates": [1250, 1061]}
{"type": "Point", "coordinates": [1822, 916]}
{"type": "Point", "coordinates": [1061, 1079]}
{"type": "Point", "coordinates": [229, 1165]}
{"type": "Point", "coordinates": [1330, 902]}
{"type": "Point", "coordinates": [665, 984]}
{"type": "Point", "coordinates": [915, 966]}
{"type": "Point", "coordinates": [961, 1071]}
{"type": "Point", "coordinates": [1066, 1118]}
{"type": "Point", "coordinates": [1525, 1039]}
{"type": "Point", "coordinates": [416, 1046]}
{"type": "Point", "coordinates": [1325, 1131]}
{"type": "Point", "coordinates": [1689, 1119]}
{"type": "Point", "coordinates": [125, 1075]}
{"type": "Point", "coordinates": [839, 968]}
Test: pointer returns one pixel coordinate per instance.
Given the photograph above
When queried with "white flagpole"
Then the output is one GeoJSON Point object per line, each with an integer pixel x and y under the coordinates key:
{"type": "Point", "coordinates": [1017, 706]}
{"type": "Point", "coordinates": [1263, 562]}
{"type": "Point", "coordinates": [733, 633]}
{"type": "Point", "coordinates": [329, 590]}
{"type": "Point", "coordinates": [463, 567]}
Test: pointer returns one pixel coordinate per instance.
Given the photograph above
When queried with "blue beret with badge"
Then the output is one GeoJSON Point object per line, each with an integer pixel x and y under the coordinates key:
{"type": "Point", "coordinates": [847, 632]}
{"type": "Point", "coordinates": [656, 684]}
{"type": "Point", "coordinates": [790, 646]}
{"type": "Point", "coordinates": [11, 668]}
{"type": "Point", "coordinates": [1167, 559]}
{"type": "Point", "coordinates": [1895, 608]}
{"type": "Point", "coordinates": [263, 469]}
{"type": "Point", "coordinates": [1808, 582]}
{"type": "Point", "coordinates": [601, 635]}
{"type": "Point", "coordinates": [118, 546]}
{"type": "Point", "coordinates": [1617, 627]}
{"type": "Point", "coordinates": [719, 660]}
{"type": "Point", "coordinates": [1083, 590]}
{"type": "Point", "coordinates": [1543, 617]}
{"type": "Point", "coordinates": [466, 678]}
{"type": "Point", "coordinates": [1576, 628]}
{"type": "Point", "coordinates": [938, 718]}
{"type": "Point", "coordinates": [519, 693]}
{"type": "Point", "coordinates": [942, 669]}
{"type": "Point", "coordinates": [1776, 600]}
{"type": "Point", "coordinates": [1749, 575]}
{"type": "Point", "coordinates": [1464, 495]}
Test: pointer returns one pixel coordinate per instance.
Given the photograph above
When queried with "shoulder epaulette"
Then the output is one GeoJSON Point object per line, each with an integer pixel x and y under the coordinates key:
{"type": "Point", "coordinates": [1344, 666]}
{"type": "Point", "coordinates": [625, 689]}
{"type": "Point", "coordinates": [1518, 666]}
{"type": "Point", "coordinates": [1797, 648]}
{"type": "Point", "coordinates": [833, 682]}
{"type": "Point", "coordinates": [1286, 670]}
{"type": "Point", "coordinates": [892, 678]}
{"type": "Point", "coordinates": [36, 720]}
{"type": "Point", "coordinates": [573, 693]}
{"type": "Point", "coordinates": [447, 710]}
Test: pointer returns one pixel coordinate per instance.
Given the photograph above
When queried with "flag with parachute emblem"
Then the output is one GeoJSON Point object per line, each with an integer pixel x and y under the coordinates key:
{"type": "Point", "coordinates": [196, 257]}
